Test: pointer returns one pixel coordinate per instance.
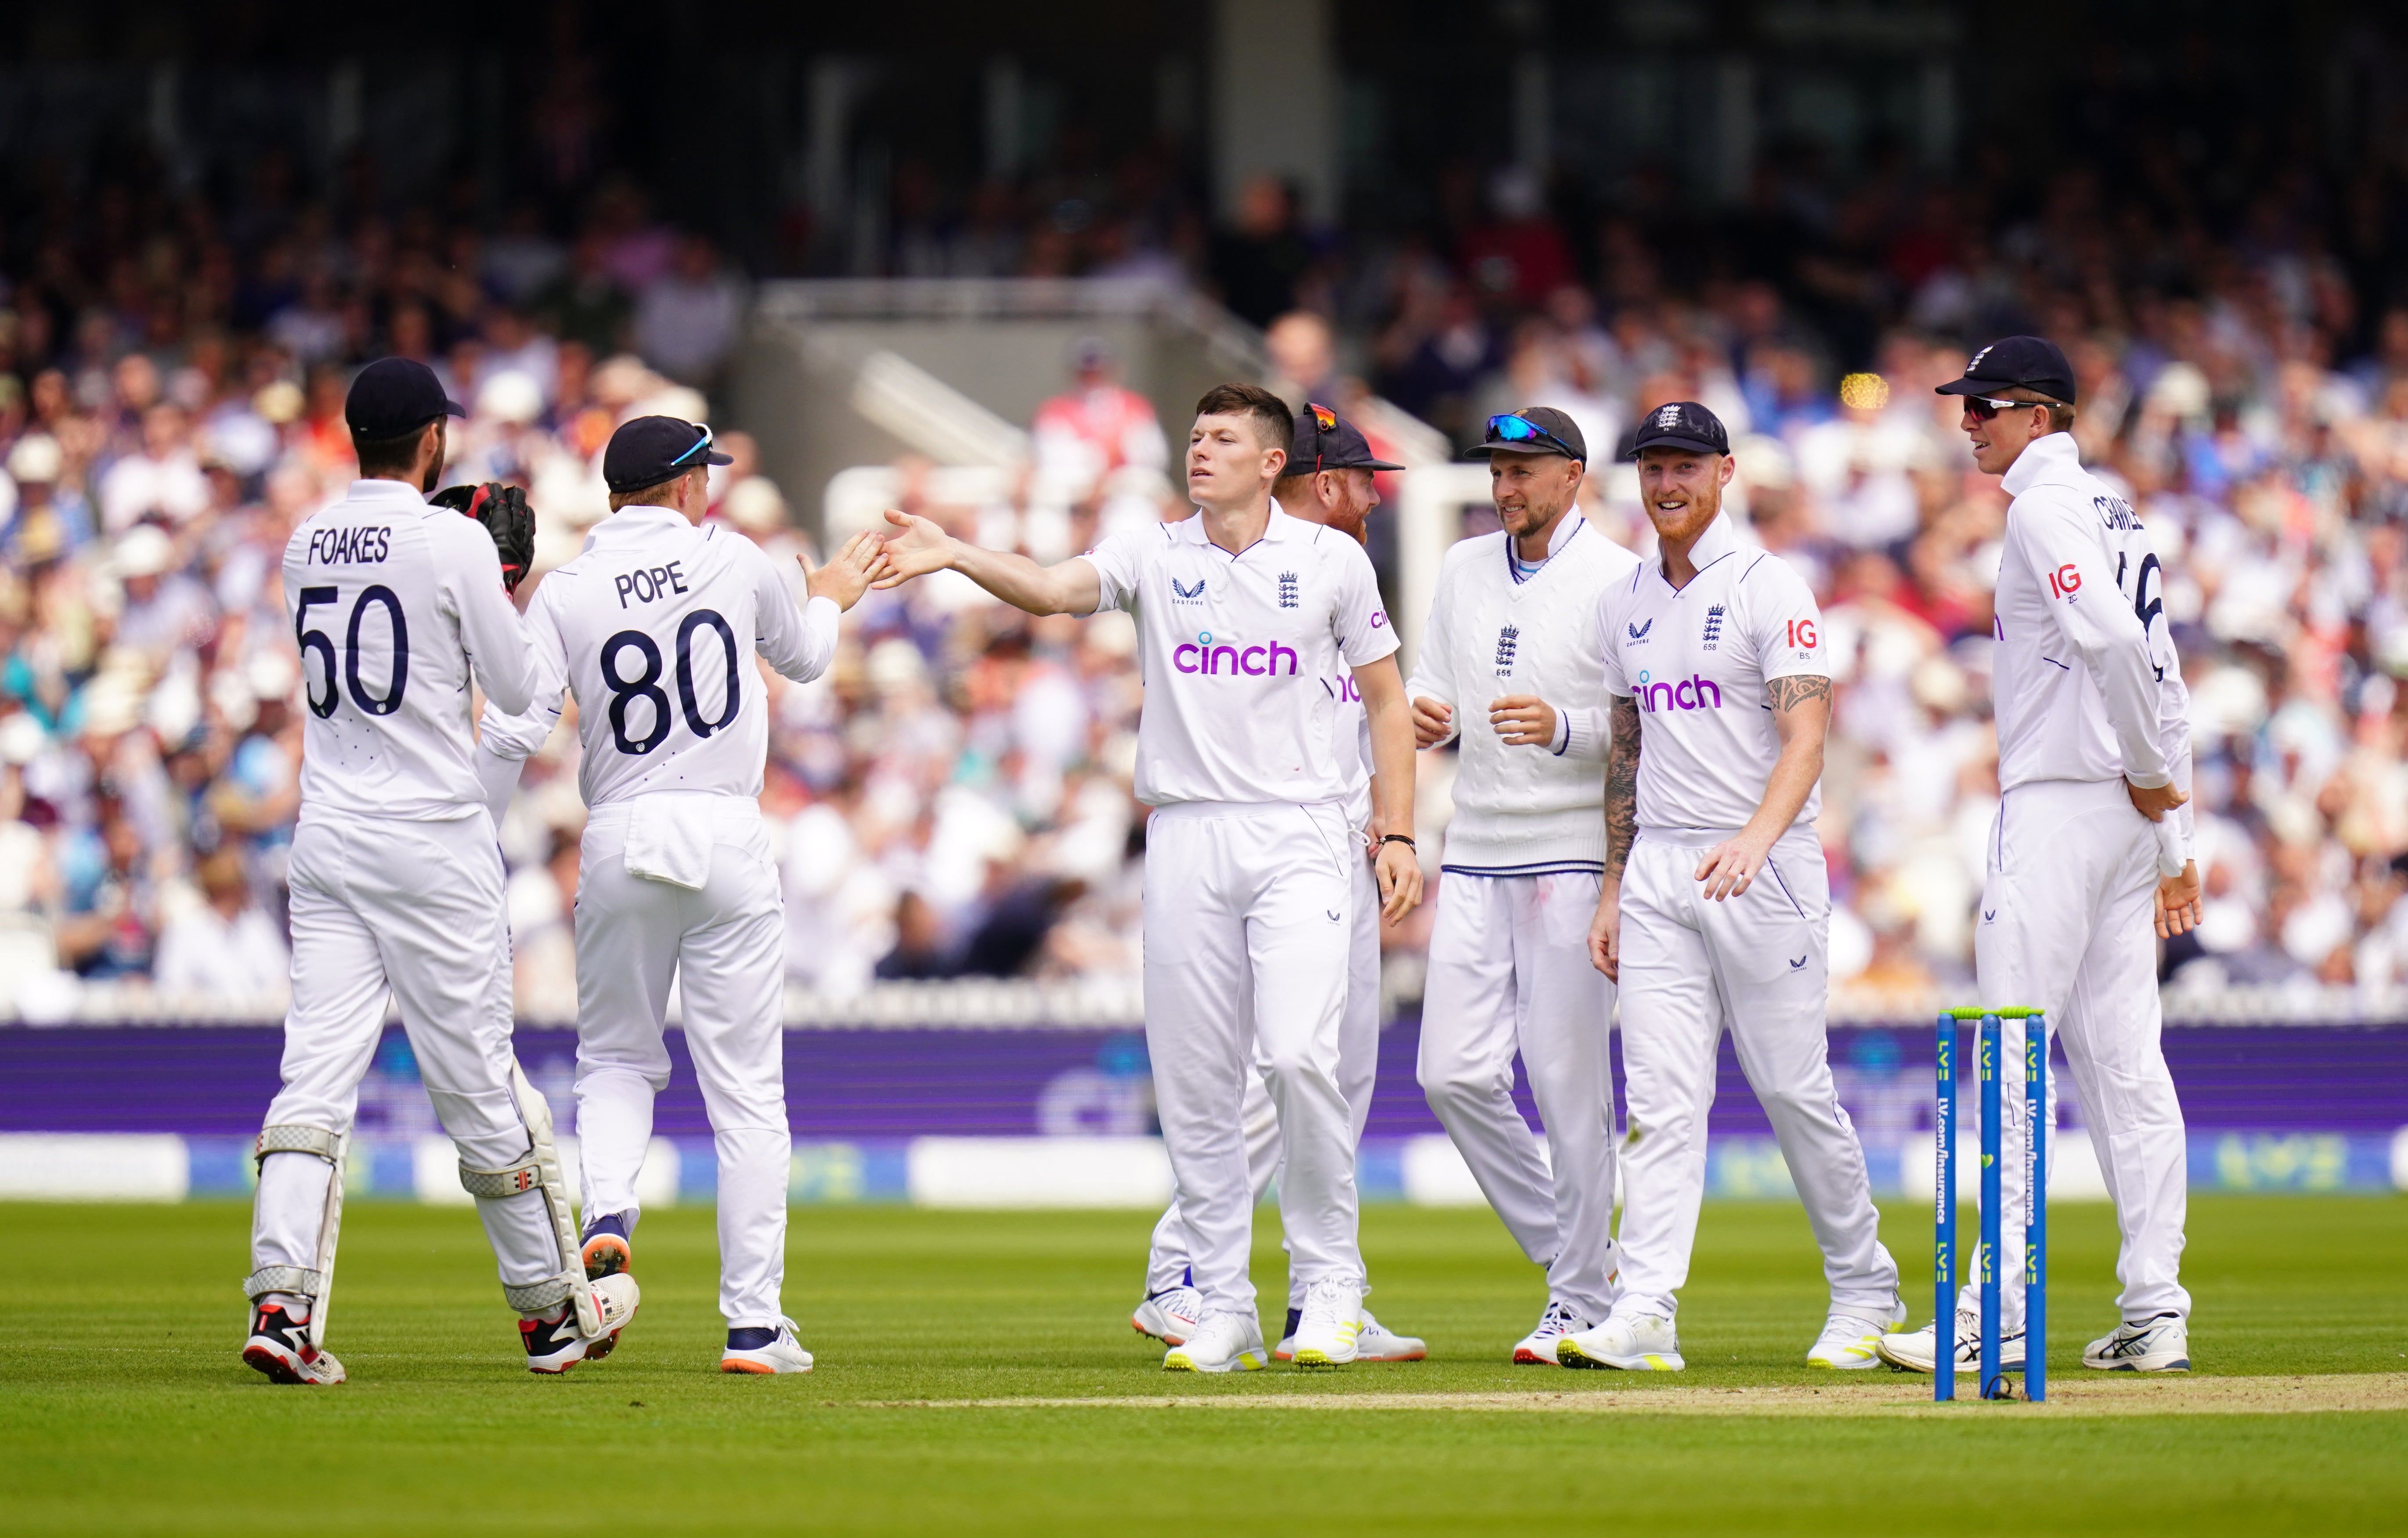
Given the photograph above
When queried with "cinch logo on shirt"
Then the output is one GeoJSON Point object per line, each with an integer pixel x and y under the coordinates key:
{"type": "Point", "coordinates": [1689, 694]}
{"type": "Point", "coordinates": [1201, 656]}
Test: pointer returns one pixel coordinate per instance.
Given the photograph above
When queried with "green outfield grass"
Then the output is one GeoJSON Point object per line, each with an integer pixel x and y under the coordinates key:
{"type": "Point", "coordinates": [124, 1407]}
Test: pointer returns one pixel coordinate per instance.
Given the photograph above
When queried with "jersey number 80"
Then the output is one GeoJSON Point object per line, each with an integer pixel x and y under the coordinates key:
{"type": "Point", "coordinates": [646, 686]}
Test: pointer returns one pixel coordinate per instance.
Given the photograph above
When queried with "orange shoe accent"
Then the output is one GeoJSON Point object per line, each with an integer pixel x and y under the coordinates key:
{"type": "Point", "coordinates": [738, 1365]}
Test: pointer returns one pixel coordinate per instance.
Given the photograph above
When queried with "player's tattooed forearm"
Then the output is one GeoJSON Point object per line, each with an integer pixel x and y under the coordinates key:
{"type": "Point", "coordinates": [1622, 787]}
{"type": "Point", "coordinates": [1796, 689]}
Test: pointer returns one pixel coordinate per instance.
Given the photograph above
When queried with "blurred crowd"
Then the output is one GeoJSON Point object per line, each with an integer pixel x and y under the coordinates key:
{"type": "Point", "coordinates": [954, 798]}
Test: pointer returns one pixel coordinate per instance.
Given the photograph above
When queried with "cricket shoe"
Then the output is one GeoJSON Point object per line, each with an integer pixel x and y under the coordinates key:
{"type": "Point", "coordinates": [1221, 1343]}
{"type": "Point", "coordinates": [554, 1346]}
{"type": "Point", "coordinates": [1170, 1316]}
{"type": "Point", "coordinates": [1329, 1327]}
{"type": "Point", "coordinates": [279, 1347]}
{"type": "Point", "coordinates": [1849, 1340]}
{"type": "Point", "coordinates": [608, 1249]}
{"type": "Point", "coordinates": [1914, 1350]}
{"type": "Point", "coordinates": [762, 1350]}
{"type": "Point", "coordinates": [1556, 1320]}
{"type": "Point", "coordinates": [1634, 1343]}
{"type": "Point", "coordinates": [2158, 1345]}
{"type": "Point", "coordinates": [1375, 1341]}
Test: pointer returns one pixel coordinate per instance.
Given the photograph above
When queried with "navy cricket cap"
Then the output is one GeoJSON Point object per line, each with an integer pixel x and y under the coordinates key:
{"type": "Point", "coordinates": [1532, 430]}
{"type": "Point", "coordinates": [1681, 424]}
{"type": "Point", "coordinates": [1326, 441]}
{"type": "Point", "coordinates": [394, 396]}
{"type": "Point", "coordinates": [648, 451]}
{"type": "Point", "coordinates": [2032, 363]}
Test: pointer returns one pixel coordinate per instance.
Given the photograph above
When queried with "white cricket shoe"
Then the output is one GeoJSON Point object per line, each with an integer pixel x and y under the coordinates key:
{"type": "Point", "coordinates": [1556, 1320]}
{"type": "Point", "coordinates": [279, 1347]}
{"type": "Point", "coordinates": [763, 1351]}
{"type": "Point", "coordinates": [1913, 1350]}
{"type": "Point", "coordinates": [1376, 1341]}
{"type": "Point", "coordinates": [1169, 1316]}
{"type": "Point", "coordinates": [2159, 1344]}
{"type": "Point", "coordinates": [554, 1346]}
{"type": "Point", "coordinates": [1635, 1343]}
{"type": "Point", "coordinates": [1848, 1339]}
{"type": "Point", "coordinates": [1221, 1343]}
{"type": "Point", "coordinates": [1328, 1331]}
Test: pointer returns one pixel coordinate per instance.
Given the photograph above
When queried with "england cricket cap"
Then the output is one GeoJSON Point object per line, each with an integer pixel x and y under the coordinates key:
{"type": "Point", "coordinates": [1326, 441]}
{"type": "Point", "coordinates": [1532, 430]}
{"type": "Point", "coordinates": [648, 451]}
{"type": "Point", "coordinates": [2032, 362]}
{"type": "Point", "coordinates": [394, 396]}
{"type": "Point", "coordinates": [1681, 424]}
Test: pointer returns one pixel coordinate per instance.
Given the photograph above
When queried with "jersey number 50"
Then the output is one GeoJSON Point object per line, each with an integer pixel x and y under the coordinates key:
{"type": "Point", "coordinates": [318, 641]}
{"type": "Point", "coordinates": [645, 686]}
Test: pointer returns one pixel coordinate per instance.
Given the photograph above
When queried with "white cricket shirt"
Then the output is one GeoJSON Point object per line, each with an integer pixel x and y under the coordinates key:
{"type": "Point", "coordinates": [393, 603]}
{"type": "Point", "coordinates": [653, 628]}
{"type": "Point", "coordinates": [1243, 656]}
{"type": "Point", "coordinates": [1523, 810]}
{"type": "Point", "coordinates": [1696, 660]}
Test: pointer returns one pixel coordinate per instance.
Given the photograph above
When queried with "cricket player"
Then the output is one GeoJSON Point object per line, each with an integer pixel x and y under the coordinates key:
{"type": "Point", "coordinates": [1246, 616]}
{"type": "Point", "coordinates": [1715, 910]}
{"type": "Point", "coordinates": [1513, 632]}
{"type": "Point", "coordinates": [2092, 834]}
{"type": "Point", "coordinates": [653, 628]}
{"type": "Point", "coordinates": [1327, 480]}
{"type": "Point", "coordinates": [398, 889]}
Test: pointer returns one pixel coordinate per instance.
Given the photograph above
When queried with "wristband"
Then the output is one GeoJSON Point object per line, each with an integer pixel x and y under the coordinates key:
{"type": "Point", "coordinates": [1405, 839]}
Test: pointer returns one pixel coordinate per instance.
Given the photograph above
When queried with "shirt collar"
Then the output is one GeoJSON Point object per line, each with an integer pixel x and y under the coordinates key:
{"type": "Point", "coordinates": [1719, 540]}
{"type": "Point", "coordinates": [385, 490]}
{"type": "Point", "coordinates": [1564, 531]}
{"type": "Point", "coordinates": [2055, 452]}
{"type": "Point", "coordinates": [1283, 527]}
{"type": "Point", "coordinates": [633, 521]}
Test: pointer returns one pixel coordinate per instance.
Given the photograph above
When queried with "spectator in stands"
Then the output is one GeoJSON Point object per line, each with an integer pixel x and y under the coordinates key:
{"type": "Point", "coordinates": [1095, 426]}
{"type": "Point", "coordinates": [225, 948]}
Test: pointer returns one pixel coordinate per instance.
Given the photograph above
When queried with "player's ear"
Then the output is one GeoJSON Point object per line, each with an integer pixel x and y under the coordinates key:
{"type": "Point", "coordinates": [1731, 468]}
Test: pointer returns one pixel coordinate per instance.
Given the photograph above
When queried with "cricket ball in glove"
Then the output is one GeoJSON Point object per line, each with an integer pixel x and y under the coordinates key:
{"type": "Point", "coordinates": [504, 512]}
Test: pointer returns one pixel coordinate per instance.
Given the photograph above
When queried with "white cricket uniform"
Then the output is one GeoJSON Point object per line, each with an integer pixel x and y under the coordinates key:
{"type": "Point", "coordinates": [1508, 965]}
{"type": "Point", "coordinates": [653, 628]}
{"type": "Point", "coordinates": [2089, 691]}
{"type": "Point", "coordinates": [1696, 660]}
{"type": "Point", "coordinates": [395, 879]}
{"type": "Point", "coordinates": [1249, 880]}
{"type": "Point", "coordinates": [1167, 1264]}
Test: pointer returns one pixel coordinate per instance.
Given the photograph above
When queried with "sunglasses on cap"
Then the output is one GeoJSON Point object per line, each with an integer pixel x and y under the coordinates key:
{"type": "Point", "coordinates": [701, 445]}
{"type": "Point", "coordinates": [1507, 427]}
{"type": "Point", "coordinates": [1987, 407]}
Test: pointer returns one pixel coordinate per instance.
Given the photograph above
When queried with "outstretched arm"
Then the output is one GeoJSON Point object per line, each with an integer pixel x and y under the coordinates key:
{"type": "Point", "coordinates": [916, 546]}
{"type": "Point", "coordinates": [1801, 715]}
{"type": "Point", "coordinates": [1621, 830]}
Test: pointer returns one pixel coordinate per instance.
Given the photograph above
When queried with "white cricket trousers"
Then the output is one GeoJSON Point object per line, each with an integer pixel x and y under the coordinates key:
{"type": "Point", "coordinates": [725, 946]}
{"type": "Point", "coordinates": [379, 904]}
{"type": "Point", "coordinates": [1168, 1262]}
{"type": "Point", "coordinates": [2068, 926]}
{"type": "Point", "coordinates": [1509, 968]}
{"type": "Point", "coordinates": [1248, 908]}
{"type": "Point", "coordinates": [1758, 966]}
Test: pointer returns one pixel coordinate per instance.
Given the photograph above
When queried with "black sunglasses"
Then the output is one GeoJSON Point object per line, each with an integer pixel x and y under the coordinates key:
{"type": "Point", "coordinates": [1987, 407]}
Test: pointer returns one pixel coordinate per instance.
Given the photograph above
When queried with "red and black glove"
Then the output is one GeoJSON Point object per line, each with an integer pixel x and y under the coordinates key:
{"type": "Point", "coordinates": [504, 512]}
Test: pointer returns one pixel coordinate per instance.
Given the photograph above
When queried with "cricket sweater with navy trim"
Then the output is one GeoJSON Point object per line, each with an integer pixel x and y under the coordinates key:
{"type": "Point", "coordinates": [1492, 631]}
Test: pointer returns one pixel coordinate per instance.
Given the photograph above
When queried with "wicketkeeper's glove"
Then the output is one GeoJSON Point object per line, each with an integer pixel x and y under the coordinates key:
{"type": "Point", "coordinates": [504, 512]}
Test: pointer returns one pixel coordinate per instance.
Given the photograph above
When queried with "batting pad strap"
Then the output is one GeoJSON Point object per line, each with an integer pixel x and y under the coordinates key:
{"type": "Point", "coordinates": [298, 1281]}
{"type": "Point", "coordinates": [515, 1181]}
{"type": "Point", "coordinates": [535, 1297]}
{"type": "Point", "coordinates": [298, 1139]}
